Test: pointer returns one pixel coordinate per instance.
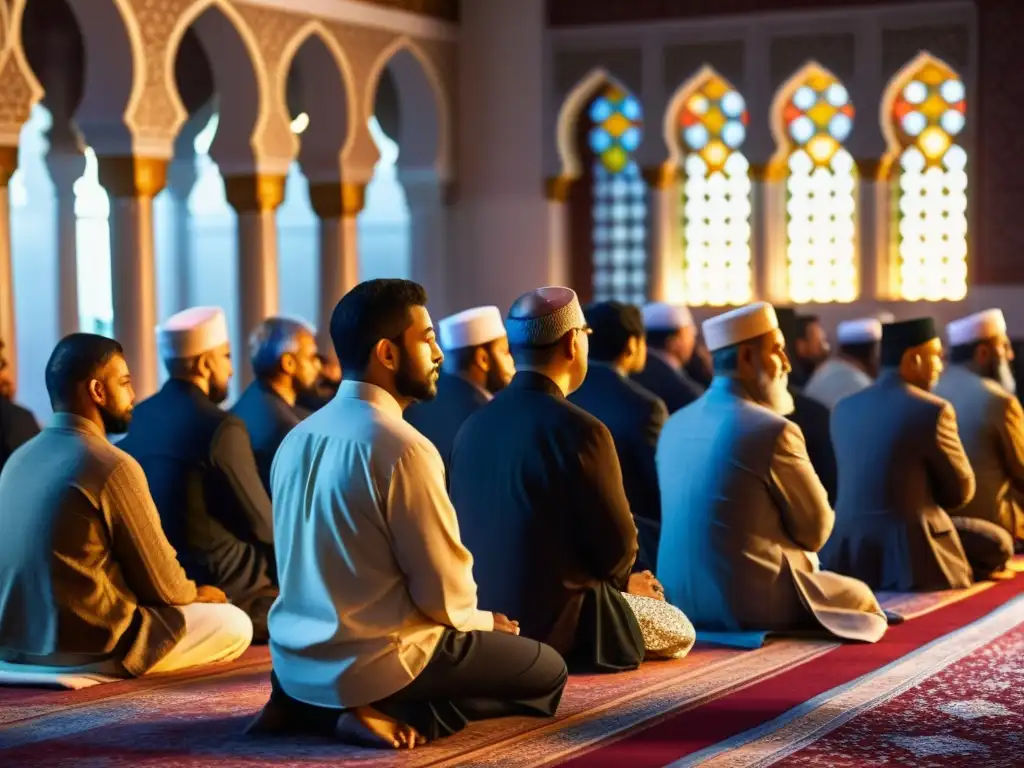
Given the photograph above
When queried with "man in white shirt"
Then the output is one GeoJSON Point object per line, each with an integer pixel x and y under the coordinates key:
{"type": "Point", "coordinates": [854, 368]}
{"type": "Point", "coordinates": [376, 635]}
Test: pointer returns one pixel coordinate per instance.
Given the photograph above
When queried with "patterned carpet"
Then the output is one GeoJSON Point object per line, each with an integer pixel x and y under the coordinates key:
{"type": "Point", "coordinates": [932, 687]}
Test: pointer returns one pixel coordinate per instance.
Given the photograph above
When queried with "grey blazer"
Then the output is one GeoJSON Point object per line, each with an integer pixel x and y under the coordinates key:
{"type": "Point", "coordinates": [902, 467]}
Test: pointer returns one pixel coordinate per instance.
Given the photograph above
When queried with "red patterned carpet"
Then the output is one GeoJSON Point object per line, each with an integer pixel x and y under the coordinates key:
{"type": "Point", "coordinates": [947, 686]}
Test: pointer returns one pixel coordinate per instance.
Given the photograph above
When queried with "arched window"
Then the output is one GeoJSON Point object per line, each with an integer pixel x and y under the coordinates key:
{"type": "Point", "coordinates": [710, 127]}
{"type": "Point", "coordinates": [613, 128]}
{"type": "Point", "coordinates": [816, 119]}
{"type": "Point", "coordinates": [926, 114]}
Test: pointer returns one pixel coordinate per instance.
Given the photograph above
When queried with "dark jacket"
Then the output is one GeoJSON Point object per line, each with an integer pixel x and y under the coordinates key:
{"type": "Point", "coordinates": [538, 490]}
{"type": "Point", "coordinates": [813, 419]}
{"type": "Point", "coordinates": [267, 418]}
{"type": "Point", "coordinates": [203, 477]}
{"type": "Point", "coordinates": [439, 420]}
{"type": "Point", "coordinates": [17, 427]}
{"type": "Point", "coordinates": [674, 387]}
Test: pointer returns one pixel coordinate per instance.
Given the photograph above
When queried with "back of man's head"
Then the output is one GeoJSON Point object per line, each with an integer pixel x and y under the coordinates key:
{"type": "Point", "coordinates": [612, 324]}
{"type": "Point", "coordinates": [74, 361]}
{"type": "Point", "coordinates": [273, 339]}
{"type": "Point", "coordinates": [372, 311]}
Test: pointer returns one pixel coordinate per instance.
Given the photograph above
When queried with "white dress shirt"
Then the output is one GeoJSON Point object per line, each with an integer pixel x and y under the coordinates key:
{"type": "Point", "coordinates": [835, 379]}
{"type": "Point", "coordinates": [371, 565]}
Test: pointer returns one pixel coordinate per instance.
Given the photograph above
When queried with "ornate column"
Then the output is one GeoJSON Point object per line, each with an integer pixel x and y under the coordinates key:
{"type": "Point", "coordinates": [879, 275]}
{"type": "Point", "coordinates": [557, 190]}
{"type": "Point", "coordinates": [429, 264]}
{"type": "Point", "coordinates": [255, 198]}
{"type": "Point", "coordinates": [66, 164]}
{"type": "Point", "coordinates": [8, 327]}
{"type": "Point", "coordinates": [181, 178]}
{"type": "Point", "coordinates": [337, 206]}
{"type": "Point", "coordinates": [665, 273]}
{"type": "Point", "coordinates": [768, 232]}
{"type": "Point", "coordinates": [132, 183]}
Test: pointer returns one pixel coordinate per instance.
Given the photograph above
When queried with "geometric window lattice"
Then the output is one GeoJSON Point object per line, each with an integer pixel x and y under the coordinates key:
{"type": "Point", "coordinates": [820, 187]}
{"type": "Point", "coordinates": [619, 215]}
{"type": "Point", "coordinates": [712, 125]}
{"type": "Point", "coordinates": [928, 114]}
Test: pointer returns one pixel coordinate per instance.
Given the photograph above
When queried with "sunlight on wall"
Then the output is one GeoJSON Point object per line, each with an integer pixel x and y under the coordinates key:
{"type": "Point", "coordinates": [384, 222]}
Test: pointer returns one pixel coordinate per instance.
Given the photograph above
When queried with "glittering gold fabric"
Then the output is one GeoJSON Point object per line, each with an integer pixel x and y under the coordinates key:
{"type": "Point", "coordinates": [668, 634]}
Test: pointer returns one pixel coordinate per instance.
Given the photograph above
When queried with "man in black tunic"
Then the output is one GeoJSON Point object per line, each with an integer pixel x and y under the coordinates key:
{"type": "Point", "coordinates": [671, 340]}
{"type": "Point", "coordinates": [538, 491]}
{"type": "Point", "coordinates": [634, 416]}
{"type": "Point", "coordinates": [201, 468]}
{"type": "Point", "coordinates": [286, 365]}
{"type": "Point", "coordinates": [477, 365]}
{"type": "Point", "coordinates": [17, 424]}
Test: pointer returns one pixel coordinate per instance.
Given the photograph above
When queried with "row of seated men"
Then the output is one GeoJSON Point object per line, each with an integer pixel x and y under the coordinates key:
{"type": "Point", "coordinates": [377, 630]}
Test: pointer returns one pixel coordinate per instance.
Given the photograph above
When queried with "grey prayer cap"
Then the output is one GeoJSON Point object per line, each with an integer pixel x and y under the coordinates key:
{"type": "Point", "coordinates": [543, 316]}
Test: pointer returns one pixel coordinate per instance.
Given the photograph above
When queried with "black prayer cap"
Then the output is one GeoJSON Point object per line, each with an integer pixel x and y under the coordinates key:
{"type": "Point", "coordinates": [897, 338]}
{"type": "Point", "coordinates": [612, 323]}
{"type": "Point", "coordinates": [787, 324]}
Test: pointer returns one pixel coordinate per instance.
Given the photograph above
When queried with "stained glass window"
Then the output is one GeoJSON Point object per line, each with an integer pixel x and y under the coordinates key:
{"type": "Point", "coordinates": [712, 125]}
{"type": "Point", "coordinates": [820, 206]}
{"type": "Point", "coordinates": [928, 116]}
{"type": "Point", "coordinates": [619, 211]}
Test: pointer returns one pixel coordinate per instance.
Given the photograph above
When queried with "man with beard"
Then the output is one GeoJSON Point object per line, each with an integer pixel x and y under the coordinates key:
{"type": "Point", "coordinates": [854, 368]}
{"type": "Point", "coordinates": [88, 582]}
{"type": "Point", "coordinates": [326, 386]}
{"type": "Point", "coordinates": [377, 635]}
{"type": "Point", "coordinates": [743, 512]}
{"type": "Point", "coordinates": [201, 467]}
{"type": "Point", "coordinates": [17, 424]}
{"type": "Point", "coordinates": [671, 341]}
{"type": "Point", "coordinates": [902, 470]}
{"type": "Point", "coordinates": [811, 349]}
{"type": "Point", "coordinates": [634, 416]}
{"type": "Point", "coordinates": [477, 365]}
{"type": "Point", "coordinates": [980, 386]}
{"type": "Point", "coordinates": [538, 487]}
{"type": "Point", "coordinates": [286, 365]}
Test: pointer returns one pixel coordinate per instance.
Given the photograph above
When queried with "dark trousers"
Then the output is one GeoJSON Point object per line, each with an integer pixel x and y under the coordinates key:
{"type": "Point", "coordinates": [471, 676]}
{"type": "Point", "coordinates": [988, 546]}
{"type": "Point", "coordinates": [257, 606]}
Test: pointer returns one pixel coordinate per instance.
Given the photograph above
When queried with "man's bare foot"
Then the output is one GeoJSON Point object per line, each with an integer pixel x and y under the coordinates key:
{"type": "Point", "coordinates": [367, 727]}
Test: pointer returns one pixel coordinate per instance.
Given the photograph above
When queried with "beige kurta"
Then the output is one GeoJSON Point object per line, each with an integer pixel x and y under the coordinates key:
{"type": "Point", "coordinates": [742, 508]}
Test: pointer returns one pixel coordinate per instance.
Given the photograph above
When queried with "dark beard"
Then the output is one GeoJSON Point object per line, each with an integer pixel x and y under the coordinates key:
{"type": "Point", "coordinates": [495, 382]}
{"type": "Point", "coordinates": [218, 394]}
{"type": "Point", "coordinates": [409, 387]}
{"type": "Point", "coordinates": [115, 423]}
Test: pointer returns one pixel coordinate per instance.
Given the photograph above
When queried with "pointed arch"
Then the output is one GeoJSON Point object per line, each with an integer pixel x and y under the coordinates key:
{"type": "Point", "coordinates": [15, 50]}
{"type": "Point", "coordinates": [811, 119]}
{"type": "Point", "coordinates": [923, 115]}
{"type": "Point", "coordinates": [424, 143]}
{"type": "Point", "coordinates": [705, 126]}
{"type": "Point", "coordinates": [568, 117]}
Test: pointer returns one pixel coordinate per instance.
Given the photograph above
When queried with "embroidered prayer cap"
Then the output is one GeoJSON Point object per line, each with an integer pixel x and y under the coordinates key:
{"type": "Point", "coordinates": [543, 316]}
{"type": "Point", "coordinates": [976, 327]}
{"type": "Point", "coordinates": [191, 332]}
{"type": "Point", "coordinates": [471, 328]}
{"type": "Point", "coordinates": [661, 316]}
{"type": "Point", "coordinates": [864, 330]}
{"type": "Point", "coordinates": [897, 338]}
{"type": "Point", "coordinates": [740, 324]}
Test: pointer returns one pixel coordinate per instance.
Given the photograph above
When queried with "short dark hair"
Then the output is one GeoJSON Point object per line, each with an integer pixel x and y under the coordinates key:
{"type": "Point", "coordinates": [864, 352]}
{"type": "Point", "coordinates": [613, 324]}
{"type": "Point", "coordinates": [803, 322]}
{"type": "Point", "coordinates": [75, 360]}
{"type": "Point", "coordinates": [462, 359]}
{"type": "Point", "coordinates": [964, 353]}
{"type": "Point", "coordinates": [660, 339]}
{"type": "Point", "coordinates": [535, 357]}
{"type": "Point", "coordinates": [373, 310]}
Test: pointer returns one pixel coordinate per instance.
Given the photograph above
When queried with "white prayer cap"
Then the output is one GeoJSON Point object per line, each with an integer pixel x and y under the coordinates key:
{"type": "Point", "coordinates": [192, 332]}
{"type": "Point", "coordinates": [865, 330]}
{"type": "Point", "coordinates": [738, 325]}
{"type": "Point", "coordinates": [471, 328]}
{"type": "Point", "coordinates": [886, 317]}
{"type": "Point", "coordinates": [976, 327]}
{"type": "Point", "coordinates": [661, 316]}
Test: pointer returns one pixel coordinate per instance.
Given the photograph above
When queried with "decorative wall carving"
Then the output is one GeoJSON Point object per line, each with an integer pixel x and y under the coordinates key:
{"type": "Point", "coordinates": [683, 61]}
{"type": "Point", "coordinates": [834, 52]}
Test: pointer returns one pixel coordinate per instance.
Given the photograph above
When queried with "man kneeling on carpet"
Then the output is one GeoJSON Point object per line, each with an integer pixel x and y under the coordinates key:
{"type": "Point", "coordinates": [743, 512]}
{"type": "Point", "coordinates": [376, 636]}
{"type": "Point", "coordinates": [88, 581]}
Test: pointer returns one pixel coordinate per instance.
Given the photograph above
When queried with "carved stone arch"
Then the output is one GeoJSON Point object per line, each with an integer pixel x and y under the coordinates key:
{"type": "Point", "coordinates": [240, 81]}
{"type": "Point", "coordinates": [424, 141]}
{"type": "Point", "coordinates": [326, 90]}
{"type": "Point", "coordinates": [22, 89]}
{"type": "Point", "coordinates": [567, 127]}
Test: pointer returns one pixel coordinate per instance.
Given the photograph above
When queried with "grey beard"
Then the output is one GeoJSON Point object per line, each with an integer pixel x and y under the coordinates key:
{"type": "Point", "coordinates": [1004, 375]}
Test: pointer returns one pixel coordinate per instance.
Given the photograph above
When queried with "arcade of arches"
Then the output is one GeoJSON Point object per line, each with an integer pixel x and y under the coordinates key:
{"type": "Point", "coordinates": [253, 155]}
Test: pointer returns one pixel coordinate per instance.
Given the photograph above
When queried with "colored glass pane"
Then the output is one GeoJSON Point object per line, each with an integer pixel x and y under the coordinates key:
{"type": "Point", "coordinates": [927, 116]}
{"type": "Point", "coordinates": [715, 196]}
{"type": "Point", "coordinates": [617, 115]}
